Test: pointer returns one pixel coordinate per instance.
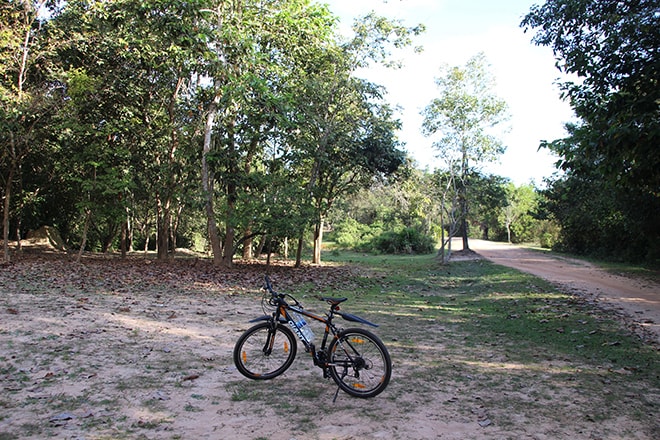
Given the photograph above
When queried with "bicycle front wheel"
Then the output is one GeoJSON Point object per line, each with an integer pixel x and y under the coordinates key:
{"type": "Point", "coordinates": [264, 352]}
{"type": "Point", "coordinates": [359, 363]}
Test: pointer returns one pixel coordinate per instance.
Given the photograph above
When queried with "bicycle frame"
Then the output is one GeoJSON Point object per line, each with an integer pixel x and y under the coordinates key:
{"type": "Point", "coordinates": [356, 359]}
{"type": "Point", "coordinates": [282, 316]}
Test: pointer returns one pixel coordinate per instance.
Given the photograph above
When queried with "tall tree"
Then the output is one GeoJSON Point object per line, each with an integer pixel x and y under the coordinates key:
{"type": "Point", "coordinates": [488, 197]}
{"type": "Point", "coordinates": [462, 119]}
{"type": "Point", "coordinates": [28, 96]}
{"type": "Point", "coordinates": [613, 46]}
{"type": "Point", "coordinates": [139, 57]}
{"type": "Point", "coordinates": [348, 132]}
{"type": "Point", "coordinates": [258, 49]}
{"type": "Point", "coordinates": [516, 214]}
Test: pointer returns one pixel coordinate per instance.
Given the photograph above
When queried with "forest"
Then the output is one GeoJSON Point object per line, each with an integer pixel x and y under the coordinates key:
{"type": "Point", "coordinates": [240, 128]}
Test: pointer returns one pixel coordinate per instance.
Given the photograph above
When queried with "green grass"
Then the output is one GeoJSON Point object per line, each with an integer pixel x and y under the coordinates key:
{"type": "Point", "coordinates": [475, 324]}
{"type": "Point", "coordinates": [464, 336]}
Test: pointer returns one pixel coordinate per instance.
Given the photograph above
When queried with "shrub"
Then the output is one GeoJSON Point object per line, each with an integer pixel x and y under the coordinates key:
{"type": "Point", "coordinates": [351, 234]}
{"type": "Point", "coordinates": [404, 241]}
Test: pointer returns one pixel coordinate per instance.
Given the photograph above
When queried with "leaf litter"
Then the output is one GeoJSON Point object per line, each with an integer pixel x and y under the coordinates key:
{"type": "Point", "coordinates": [141, 349]}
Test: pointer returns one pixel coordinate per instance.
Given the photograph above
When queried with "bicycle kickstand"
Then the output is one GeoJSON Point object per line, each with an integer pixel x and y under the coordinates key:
{"type": "Point", "coordinates": [336, 394]}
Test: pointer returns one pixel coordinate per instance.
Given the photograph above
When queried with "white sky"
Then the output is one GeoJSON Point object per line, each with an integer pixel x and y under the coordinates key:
{"type": "Point", "coordinates": [456, 30]}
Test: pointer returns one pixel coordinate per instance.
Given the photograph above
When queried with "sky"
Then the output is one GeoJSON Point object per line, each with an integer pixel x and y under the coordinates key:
{"type": "Point", "coordinates": [456, 30]}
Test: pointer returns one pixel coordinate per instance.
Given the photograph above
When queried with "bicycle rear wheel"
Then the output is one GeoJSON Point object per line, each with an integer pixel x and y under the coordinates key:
{"type": "Point", "coordinates": [359, 363]}
{"type": "Point", "coordinates": [263, 353]}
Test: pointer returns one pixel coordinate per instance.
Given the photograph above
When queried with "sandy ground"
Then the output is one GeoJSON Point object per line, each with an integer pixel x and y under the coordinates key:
{"type": "Point", "coordinates": [142, 351]}
{"type": "Point", "coordinates": [638, 299]}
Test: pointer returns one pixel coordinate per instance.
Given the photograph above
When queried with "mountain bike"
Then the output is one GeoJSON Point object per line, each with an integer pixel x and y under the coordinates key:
{"type": "Point", "coordinates": [356, 359]}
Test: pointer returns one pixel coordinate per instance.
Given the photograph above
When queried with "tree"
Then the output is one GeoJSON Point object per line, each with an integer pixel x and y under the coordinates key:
{"type": "Point", "coordinates": [593, 222]}
{"type": "Point", "coordinates": [258, 51]}
{"type": "Point", "coordinates": [348, 130]}
{"type": "Point", "coordinates": [27, 94]}
{"type": "Point", "coordinates": [516, 214]}
{"type": "Point", "coordinates": [126, 84]}
{"type": "Point", "coordinates": [463, 118]}
{"type": "Point", "coordinates": [612, 46]}
{"type": "Point", "coordinates": [488, 197]}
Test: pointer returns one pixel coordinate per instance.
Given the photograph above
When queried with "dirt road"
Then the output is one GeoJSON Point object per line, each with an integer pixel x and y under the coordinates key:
{"type": "Point", "coordinates": [638, 299]}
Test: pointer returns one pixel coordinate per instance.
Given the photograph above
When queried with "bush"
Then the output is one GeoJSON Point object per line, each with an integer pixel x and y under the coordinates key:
{"type": "Point", "coordinates": [547, 233]}
{"type": "Point", "coordinates": [351, 234]}
{"type": "Point", "coordinates": [405, 241]}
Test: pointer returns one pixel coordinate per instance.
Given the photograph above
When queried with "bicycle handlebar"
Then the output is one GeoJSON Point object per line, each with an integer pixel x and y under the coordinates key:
{"type": "Point", "coordinates": [279, 299]}
{"type": "Point", "coordinates": [269, 286]}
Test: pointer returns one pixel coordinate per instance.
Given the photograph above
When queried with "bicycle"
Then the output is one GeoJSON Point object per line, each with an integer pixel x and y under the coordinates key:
{"type": "Point", "coordinates": [356, 359]}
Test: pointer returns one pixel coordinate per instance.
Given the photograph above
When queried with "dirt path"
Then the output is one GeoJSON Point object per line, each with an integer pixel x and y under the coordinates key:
{"type": "Point", "coordinates": [635, 298]}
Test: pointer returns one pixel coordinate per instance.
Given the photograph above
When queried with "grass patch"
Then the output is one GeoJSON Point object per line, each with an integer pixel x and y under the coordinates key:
{"type": "Point", "coordinates": [465, 339]}
{"type": "Point", "coordinates": [476, 325]}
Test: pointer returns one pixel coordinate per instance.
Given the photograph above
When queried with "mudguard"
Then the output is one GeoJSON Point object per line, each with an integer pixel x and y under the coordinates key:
{"type": "Point", "coordinates": [353, 318]}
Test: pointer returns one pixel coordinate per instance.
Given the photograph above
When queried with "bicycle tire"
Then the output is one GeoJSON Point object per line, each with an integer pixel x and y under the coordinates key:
{"type": "Point", "coordinates": [359, 363]}
{"type": "Point", "coordinates": [254, 358]}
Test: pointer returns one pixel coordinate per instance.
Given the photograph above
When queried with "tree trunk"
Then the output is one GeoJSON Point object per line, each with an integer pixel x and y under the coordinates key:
{"type": "Point", "coordinates": [174, 230]}
{"type": "Point", "coordinates": [260, 246]}
{"type": "Point", "coordinates": [228, 254]}
{"type": "Point", "coordinates": [147, 238]}
{"type": "Point", "coordinates": [126, 234]}
{"type": "Point", "coordinates": [286, 248]}
{"type": "Point", "coordinates": [163, 224]}
{"type": "Point", "coordinates": [318, 242]}
{"type": "Point", "coordinates": [247, 246]}
{"type": "Point", "coordinates": [441, 251]}
{"type": "Point", "coordinates": [5, 216]}
{"type": "Point", "coordinates": [124, 238]}
{"type": "Point", "coordinates": [207, 186]}
{"type": "Point", "coordinates": [463, 202]}
{"type": "Point", "coordinates": [299, 249]}
{"type": "Point", "coordinates": [83, 243]}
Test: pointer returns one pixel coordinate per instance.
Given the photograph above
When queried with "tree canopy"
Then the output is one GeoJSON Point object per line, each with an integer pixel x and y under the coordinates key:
{"type": "Point", "coordinates": [127, 117]}
{"type": "Point", "coordinates": [462, 118]}
{"type": "Point", "coordinates": [613, 49]}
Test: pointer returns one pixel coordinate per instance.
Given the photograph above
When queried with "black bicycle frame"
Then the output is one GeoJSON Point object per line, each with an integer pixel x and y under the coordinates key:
{"type": "Point", "coordinates": [282, 317]}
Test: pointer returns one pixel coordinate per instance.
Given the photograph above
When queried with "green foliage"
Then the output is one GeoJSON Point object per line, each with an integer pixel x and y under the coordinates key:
{"type": "Point", "coordinates": [608, 202]}
{"type": "Point", "coordinates": [548, 233]}
{"type": "Point", "coordinates": [403, 241]}
{"type": "Point", "coordinates": [351, 234]}
{"type": "Point", "coordinates": [600, 219]}
{"type": "Point", "coordinates": [488, 198]}
{"type": "Point", "coordinates": [612, 47]}
{"type": "Point", "coordinates": [413, 200]}
{"type": "Point", "coordinates": [517, 214]}
{"type": "Point", "coordinates": [463, 119]}
{"type": "Point", "coordinates": [465, 114]}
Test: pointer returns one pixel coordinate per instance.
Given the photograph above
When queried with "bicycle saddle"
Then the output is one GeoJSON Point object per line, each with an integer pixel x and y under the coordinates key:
{"type": "Point", "coordinates": [333, 301]}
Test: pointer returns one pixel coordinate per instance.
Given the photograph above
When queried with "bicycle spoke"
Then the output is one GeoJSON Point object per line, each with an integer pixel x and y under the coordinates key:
{"type": "Point", "coordinates": [360, 363]}
{"type": "Point", "coordinates": [264, 353]}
